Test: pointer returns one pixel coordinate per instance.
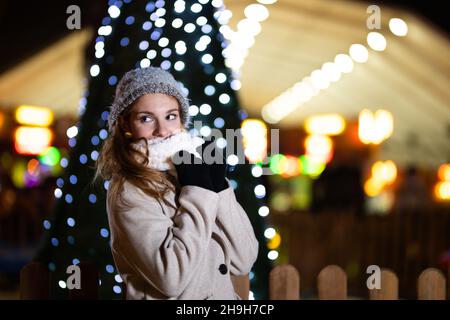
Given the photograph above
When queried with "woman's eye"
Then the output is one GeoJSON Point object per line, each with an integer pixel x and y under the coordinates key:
{"type": "Point", "coordinates": [172, 116]}
{"type": "Point", "coordinates": [145, 119]}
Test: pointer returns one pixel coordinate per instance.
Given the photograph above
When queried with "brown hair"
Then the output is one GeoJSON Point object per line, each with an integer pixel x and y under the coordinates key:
{"type": "Point", "coordinates": [119, 162]}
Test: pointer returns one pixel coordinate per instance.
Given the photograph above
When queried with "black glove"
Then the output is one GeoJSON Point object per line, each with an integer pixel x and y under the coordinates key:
{"type": "Point", "coordinates": [192, 171]}
{"type": "Point", "coordinates": [217, 170]}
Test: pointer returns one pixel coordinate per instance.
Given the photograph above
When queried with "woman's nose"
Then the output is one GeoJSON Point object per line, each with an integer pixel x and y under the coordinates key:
{"type": "Point", "coordinates": [161, 131]}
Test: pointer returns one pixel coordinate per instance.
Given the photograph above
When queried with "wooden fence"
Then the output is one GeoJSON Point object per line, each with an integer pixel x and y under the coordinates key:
{"type": "Point", "coordinates": [284, 284]}
{"type": "Point", "coordinates": [407, 242]}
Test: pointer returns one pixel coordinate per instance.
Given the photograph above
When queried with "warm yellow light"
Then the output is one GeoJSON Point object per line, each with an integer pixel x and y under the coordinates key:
{"type": "Point", "coordinates": [373, 187]}
{"type": "Point", "coordinates": [249, 125]}
{"type": "Point", "coordinates": [32, 140]}
{"type": "Point", "coordinates": [375, 128]}
{"type": "Point", "coordinates": [365, 124]}
{"type": "Point", "coordinates": [254, 139]}
{"type": "Point", "coordinates": [330, 124]}
{"type": "Point", "coordinates": [384, 171]}
{"type": "Point", "coordinates": [34, 116]}
{"type": "Point", "coordinates": [389, 172]}
{"type": "Point", "coordinates": [442, 190]}
{"type": "Point", "coordinates": [2, 120]}
{"type": "Point", "coordinates": [274, 242]}
{"type": "Point", "coordinates": [383, 126]}
{"type": "Point", "coordinates": [319, 147]}
{"type": "Point", "coordinates": [377, 168]}
{"type": "Point", "coordinates": [444, 172]}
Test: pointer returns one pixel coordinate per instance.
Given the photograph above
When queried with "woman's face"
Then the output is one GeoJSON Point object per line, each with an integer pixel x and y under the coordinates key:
{"type": "Point", "coordinates": [154, 115]}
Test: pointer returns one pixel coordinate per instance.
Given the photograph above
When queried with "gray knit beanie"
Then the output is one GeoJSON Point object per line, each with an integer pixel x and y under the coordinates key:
{"type": "Point", "coordinates": [135, 83]}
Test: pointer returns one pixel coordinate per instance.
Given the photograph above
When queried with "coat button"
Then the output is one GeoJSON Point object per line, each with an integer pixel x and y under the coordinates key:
{"type": "Point", "coordinates": [223, 269]}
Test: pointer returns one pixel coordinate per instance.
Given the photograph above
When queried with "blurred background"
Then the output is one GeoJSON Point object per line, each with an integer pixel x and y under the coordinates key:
{"type": "Point", "coordinates": [358, 90]}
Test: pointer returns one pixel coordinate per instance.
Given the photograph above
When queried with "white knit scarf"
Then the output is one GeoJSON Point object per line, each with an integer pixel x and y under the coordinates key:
{"type": "Point", "coordinates": [160, 150]}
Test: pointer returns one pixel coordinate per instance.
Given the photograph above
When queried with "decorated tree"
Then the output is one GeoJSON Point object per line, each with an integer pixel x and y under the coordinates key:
{"type": "Point", "coordinates": [184, 39]}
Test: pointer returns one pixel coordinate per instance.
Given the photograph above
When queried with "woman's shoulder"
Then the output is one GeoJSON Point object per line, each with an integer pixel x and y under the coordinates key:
{"type": "Point", "coordinates": [128, 195]}
{"type": "Point", "coordinates": [129, 188]}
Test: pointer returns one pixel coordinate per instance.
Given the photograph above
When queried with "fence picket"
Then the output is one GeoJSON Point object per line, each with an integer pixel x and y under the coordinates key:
{"type": "Point", "coordinates": [241, 285]}
{"type": "Point", "coordinates": [431, 285]}
{"type": "Point", "coordinates": [284, 283]}
{"type": "Point", "coordinates": [332, 283]}
{"type": "Point", "coordinates": [389, 287]}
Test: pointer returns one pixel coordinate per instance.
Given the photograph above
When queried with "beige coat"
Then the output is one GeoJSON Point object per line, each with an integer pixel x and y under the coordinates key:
{"type": "Point", "coordinates": [183, 248]}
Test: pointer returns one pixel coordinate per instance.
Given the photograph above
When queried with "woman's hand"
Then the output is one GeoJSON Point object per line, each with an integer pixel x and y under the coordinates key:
{"type": "Point", "coordinates": [192, 171]}
{"type": "Point", "coordinates": [217, 165]}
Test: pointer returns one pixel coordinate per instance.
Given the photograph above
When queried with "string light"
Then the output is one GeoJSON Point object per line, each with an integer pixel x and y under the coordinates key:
{"type": "Point", "coordinates": [272, 255]}
{"type": "Point", "coordinates": [359, 53]}
{"type": "Point", "coordinates": [263, 211]}
{"type": "Point", "coordinates": [241, 40]}
{"type": "Point", "coordinates": [320, 79]}
{"type": "Point", "coordinates": [398, 27]}
{"type": "Point", "coordinates": [376, 41]}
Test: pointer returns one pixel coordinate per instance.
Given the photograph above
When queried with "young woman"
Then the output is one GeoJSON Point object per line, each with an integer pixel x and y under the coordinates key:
{"type": "Point", "coordinates": [177, 231]}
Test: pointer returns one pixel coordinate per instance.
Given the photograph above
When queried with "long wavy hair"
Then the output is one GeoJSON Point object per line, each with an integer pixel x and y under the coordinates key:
{"type": "Point", "coordinates": [120, 162]}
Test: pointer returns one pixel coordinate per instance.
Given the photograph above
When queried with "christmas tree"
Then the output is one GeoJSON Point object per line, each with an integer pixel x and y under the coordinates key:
{"type": "Point", "coordinates": [184, 39]}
